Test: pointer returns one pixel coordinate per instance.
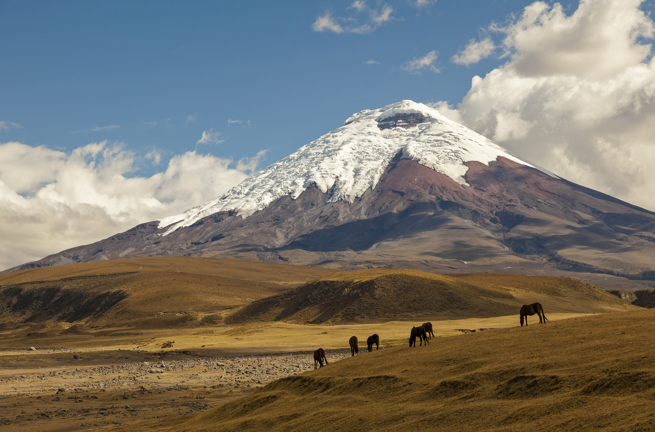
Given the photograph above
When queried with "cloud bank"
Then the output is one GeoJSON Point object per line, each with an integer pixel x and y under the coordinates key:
{"type": "Point", "coordinates": [576, 94]}
{"type": "Point", "coordinates": [51, 200]}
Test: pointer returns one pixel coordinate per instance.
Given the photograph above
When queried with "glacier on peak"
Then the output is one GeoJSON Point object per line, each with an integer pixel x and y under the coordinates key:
{"type": "Point", "coordinates": [352, 158]}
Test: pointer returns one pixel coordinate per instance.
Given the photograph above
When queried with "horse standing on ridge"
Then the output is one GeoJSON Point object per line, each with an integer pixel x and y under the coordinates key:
{"type": "Point", "coordinates": [354, 346]}
{"type": "Point", "coordinates": [375, 339]}
{"type": "Point", "coordinates": [420, 333]}
{"type": "Point", "coordinates": [319, 357]}
{"type": "Point", "coordinates": [531, 309]}
{"type": "Point", "coordinates": [428, 329]}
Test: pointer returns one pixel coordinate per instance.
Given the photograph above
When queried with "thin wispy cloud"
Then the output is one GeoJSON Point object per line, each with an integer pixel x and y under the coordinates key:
{"type": "Point", "coordinates": [107, 128]}
{"type": "Point", "coordinates": [372, 62]}
{"type": "Point", "coordinates": [210, 137]}
{"type": "Point", "coordinates": [6, 125]}
{"type": "Point", "coordinates": [359, 5]}
{"type": "Point", "coordinates": [420, 4]}
{"type": "Point", "coordinates": [419, 64]}
{"type": "Point", "coordinates": [474, 52]}
{"type": "Point", "coordinates": [239, 122]}
{"type": "Point", "coordinates": [191, 118]}
{"type": "Point", "coordinates": [374, 18]}
{"type": "Point", "coordinates": [154, 155]}
{"type": "Point", "coordinates": [104, 128]}
{"type": "Point", "coordinates": [151, 124]}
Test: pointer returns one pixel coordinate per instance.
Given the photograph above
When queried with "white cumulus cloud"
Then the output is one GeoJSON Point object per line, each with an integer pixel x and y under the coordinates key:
{"type": "Point", "coordinates": [6, 125]}
{"type": "Point", "coordinates": [576, 95]}
{"type": "Point", "coordinates": [52, 200]}
{"type": "Point", "coordinates": [209, 137]}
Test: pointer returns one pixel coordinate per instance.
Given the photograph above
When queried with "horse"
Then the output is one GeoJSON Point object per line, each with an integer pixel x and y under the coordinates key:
{"type": "Point", "coordinates": [534, 308]}
{"type": "Point", "coordinates": [354, 346]}
{"type": "Point", "coordinates": [428, 329]}
{"type": "Point", "coordinates": [319, 357]}
{"type": "Point", "coordinates": [375, 339]}
{"type": "Point", "coordinates": [420, 333]}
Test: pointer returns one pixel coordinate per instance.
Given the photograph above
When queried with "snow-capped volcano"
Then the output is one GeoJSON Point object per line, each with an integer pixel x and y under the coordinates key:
{"type": "Point", "coordinates": [403, 186]}
{"type": "Point", "coordinates": [352, 158]}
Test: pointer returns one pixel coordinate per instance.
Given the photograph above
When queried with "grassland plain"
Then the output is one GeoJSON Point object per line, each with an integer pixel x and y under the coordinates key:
{"type": "Point", "coordinates": [588, 373]}
{"type": "Point", "coordinates": [214, 330]}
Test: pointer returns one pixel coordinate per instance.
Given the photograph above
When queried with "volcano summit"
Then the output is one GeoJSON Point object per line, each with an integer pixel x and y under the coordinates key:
{"type": "Point", "coordinates": [403, 186]}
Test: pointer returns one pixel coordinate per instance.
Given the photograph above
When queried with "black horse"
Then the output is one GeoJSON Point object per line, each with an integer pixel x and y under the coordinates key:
{"type": "Point", "coordinates": [354, 346]}
{"type": "Point", "coordinates": [428, 329]}
{"type": "Point", "coordinates": [417, 332]}
{"type": "Point", "coordinates": [531, 309]}
{"type": "Point", "coordinates": [319, 357]}
{"type": "Point", "coordinates": [375, 339]}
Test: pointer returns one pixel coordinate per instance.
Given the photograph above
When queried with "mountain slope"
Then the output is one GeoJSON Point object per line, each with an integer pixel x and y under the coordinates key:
{"type": "Point", "coordinates": [404, 187]}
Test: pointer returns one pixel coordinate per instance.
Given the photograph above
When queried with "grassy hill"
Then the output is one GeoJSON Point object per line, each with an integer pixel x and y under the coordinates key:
{"type": "Point", "coordinates": [143, 292]}
{"type": "Point", "coordinates": [380, 295]}
{"type": "Point", "coordinates": [592, 373]}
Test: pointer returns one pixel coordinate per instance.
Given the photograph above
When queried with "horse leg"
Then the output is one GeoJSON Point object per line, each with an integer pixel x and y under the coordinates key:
{"type": "Point", "coordinates": [325, 358]}
{"type": "Point", "coordinates": [541, 320]}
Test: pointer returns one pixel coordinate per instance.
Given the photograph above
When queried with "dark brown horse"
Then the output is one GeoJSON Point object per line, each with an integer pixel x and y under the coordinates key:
{"type": "Point", "coordinates": [375, 339]}
{"type": "Point", "coordinates": [354, 346]}
{"type": "Point", "coordinates": [428, 329]}
{"type": "Point", "coordinates": [531, 309]}
{"type": "Point", "coordinates": [319, 357]}
{"type": "Point", "coordinates": [417, 332]}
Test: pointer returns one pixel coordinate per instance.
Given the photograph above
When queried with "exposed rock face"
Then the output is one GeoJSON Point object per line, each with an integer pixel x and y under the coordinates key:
{"type": "Point", "coordinates": [402, 120]}
{"type": "Point", "coordinates": [641, 298]}
{"type": "Point", "coordinates": [509, 217]}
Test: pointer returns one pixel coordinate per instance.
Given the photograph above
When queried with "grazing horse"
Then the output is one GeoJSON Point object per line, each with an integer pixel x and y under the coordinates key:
{"type": "Point", "coordinates": [375, 339]}
{"type": "Point", "coordinates": [354, 346]}
{"type": "Point", "coordinates": [534, 308]}
{"type": "Point", "coordinates": [428, 329]}
{"type": "Point", "coordinates": [420, 333]}
{"type": "Point", "coordinates": [319, 357]}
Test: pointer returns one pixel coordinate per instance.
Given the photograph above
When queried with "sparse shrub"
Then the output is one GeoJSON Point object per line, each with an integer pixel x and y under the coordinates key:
{"type": "Point", "coordinates": [168, 344]}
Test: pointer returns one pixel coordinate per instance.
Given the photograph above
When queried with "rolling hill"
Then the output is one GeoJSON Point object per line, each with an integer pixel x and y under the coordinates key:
{"type": "Point", "coordinates": [380, 295]}
{"type": "Point", "coordinates": [592, 373]}
{"type": "Point", "coordinates": [151, 292]}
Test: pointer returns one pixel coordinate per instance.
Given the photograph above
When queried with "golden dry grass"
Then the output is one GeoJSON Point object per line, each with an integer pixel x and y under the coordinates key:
{"type": "Point", "coordinates": [157, 291]}
{"type": "Point", "coordinates": [590, 373]}
{"type": "Point", "coordinates": [379, 295]}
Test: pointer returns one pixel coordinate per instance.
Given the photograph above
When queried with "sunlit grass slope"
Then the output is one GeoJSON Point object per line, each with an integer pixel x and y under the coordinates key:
{"type": "Point", "coordinates": [380, 295]}
{"type": "Point", "coordinates": [591, 373]}
{"type": "Point", "coordinates": [155, 291]}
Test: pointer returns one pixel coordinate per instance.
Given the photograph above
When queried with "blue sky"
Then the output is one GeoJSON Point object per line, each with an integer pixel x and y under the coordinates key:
{"type": "Point", "coordinates": [114, 113]}
{"type": "Point", "coordinates": [157, 74]}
